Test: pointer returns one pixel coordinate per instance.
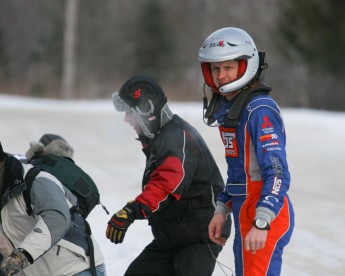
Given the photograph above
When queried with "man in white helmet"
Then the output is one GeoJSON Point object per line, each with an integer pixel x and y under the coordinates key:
{"type": "Point", "coordinates": [253, 133]}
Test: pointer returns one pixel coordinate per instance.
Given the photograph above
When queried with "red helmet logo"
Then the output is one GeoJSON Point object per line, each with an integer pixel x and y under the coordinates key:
{"type": "Point", "coordinates": [137, 93]}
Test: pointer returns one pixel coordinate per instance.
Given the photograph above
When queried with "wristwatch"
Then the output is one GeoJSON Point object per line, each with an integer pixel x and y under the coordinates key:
{"type": "Point", "coordinates": [261, 224]}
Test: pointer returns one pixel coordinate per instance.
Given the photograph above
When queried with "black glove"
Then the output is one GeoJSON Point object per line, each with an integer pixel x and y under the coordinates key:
{"type": "Point", "coordinates": [16, 262]}
{"type": "Point", "coordinates": [122, 219]}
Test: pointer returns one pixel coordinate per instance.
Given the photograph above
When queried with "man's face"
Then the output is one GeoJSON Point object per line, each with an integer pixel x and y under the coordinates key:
{"type": "Point", "coordinates": [224, 72]}
{"type": "Point", "coordinates": [132, 121]}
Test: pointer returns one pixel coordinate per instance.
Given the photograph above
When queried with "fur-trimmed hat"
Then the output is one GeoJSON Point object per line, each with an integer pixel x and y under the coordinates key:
{"type": "Point", "coordinates": [50, 144]}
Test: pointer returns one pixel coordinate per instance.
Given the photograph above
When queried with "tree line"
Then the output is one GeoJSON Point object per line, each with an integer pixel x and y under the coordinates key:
{"type": "Point", "coordinates": [87, 48]}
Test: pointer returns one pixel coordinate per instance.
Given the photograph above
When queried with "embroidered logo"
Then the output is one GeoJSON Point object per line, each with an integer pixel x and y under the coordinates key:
{"type": "Point", "coordinates": [266, 123]}
{"type": "Point", "coordinates": [229, 139]}
{"type": "Point", "coordinates": [268, 137]}
{"type": "Point", "coordinates": [267, 126]}
{"type": "Point", "coordinates": [137, 94]}
{"type": "Point", "coordinates": [220, 43]}
{"type": "Point", "coordinates": [276, 186]}
{"type": "Point", "coordinates": [270, 202]}
{"type": "Point", "coordinates": [276, 165]}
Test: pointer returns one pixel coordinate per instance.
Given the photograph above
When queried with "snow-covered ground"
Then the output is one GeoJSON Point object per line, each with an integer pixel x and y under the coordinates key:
{"type": "Point", "coordinates": [106, 148]}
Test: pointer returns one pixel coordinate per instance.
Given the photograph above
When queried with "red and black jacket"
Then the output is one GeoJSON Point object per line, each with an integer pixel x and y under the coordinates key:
{"type": "Point", "coordinates": [180, 183]}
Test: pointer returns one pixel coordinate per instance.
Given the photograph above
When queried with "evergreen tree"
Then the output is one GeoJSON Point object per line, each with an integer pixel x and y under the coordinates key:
{"type": "Point", "coordinates": [153, 51]}
{"type": "Point", "coordinates": [314, 30]}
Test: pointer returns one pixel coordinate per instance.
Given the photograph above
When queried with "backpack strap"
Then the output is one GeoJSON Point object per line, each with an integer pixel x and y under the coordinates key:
{"type": "Point", "coordinates": [91, 249]}
{"type": "Point", "coordinates": [29, 179]}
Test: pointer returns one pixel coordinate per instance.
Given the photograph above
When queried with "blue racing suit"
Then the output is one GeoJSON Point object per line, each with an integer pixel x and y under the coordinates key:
{"type": "Point", "coordinates": [257, 181]}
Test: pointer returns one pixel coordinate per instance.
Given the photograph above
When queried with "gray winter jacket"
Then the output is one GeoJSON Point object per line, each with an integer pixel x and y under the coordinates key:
{"type": "Point", "coordinates": [52, 235]}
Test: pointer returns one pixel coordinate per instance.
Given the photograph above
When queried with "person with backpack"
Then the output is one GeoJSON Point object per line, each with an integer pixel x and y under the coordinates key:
{"type": "Point", "coordinates": [53, 154]}
{"type": "Point", "coordinates": [49, 235]}
{"type": "Point", "coordinates": [179, 185]}
{"type": "Point", "coordinates": [252, 130]}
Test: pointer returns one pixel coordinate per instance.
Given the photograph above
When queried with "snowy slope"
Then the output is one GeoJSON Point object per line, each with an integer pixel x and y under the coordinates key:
{"type": "Point", "coordinates": [106, 148]}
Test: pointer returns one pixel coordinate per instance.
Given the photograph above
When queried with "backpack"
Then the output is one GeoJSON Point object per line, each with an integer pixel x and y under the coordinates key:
{"type": "Point", "coordinates": [74, 179]}
{"type": "Point", "coordinates": [71, 176]}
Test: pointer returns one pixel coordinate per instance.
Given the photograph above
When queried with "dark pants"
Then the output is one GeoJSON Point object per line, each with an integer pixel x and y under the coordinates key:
{"type": "Point", "coordinates": [188, 260]}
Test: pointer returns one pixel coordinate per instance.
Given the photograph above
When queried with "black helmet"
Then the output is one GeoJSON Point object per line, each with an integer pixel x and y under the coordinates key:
{"type": "Point", "coordinates": [146, 99]}
{"type": "Point", "coordinates": [2, 153]}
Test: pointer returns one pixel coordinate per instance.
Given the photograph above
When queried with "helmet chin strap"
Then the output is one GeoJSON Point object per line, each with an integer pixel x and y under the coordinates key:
{"type": "Point", "coordinates": [166, 114]}
{"type": "Point", "coordinates": [209, 108]}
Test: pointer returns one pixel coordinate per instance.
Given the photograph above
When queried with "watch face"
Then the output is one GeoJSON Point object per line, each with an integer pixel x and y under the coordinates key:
{"type": "Point", "coordinates": [261, 223]}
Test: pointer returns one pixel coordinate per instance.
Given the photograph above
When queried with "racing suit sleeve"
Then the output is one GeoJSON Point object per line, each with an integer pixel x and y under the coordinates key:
{"type": "Point", "coordinates": [224, 203]}
{"type": "Point", "coordinates": [51, 210]}
{"type": "Point", "coordinates": [170, 169]}
{"type": "Point", "coordinates": [267, 132]}
{"type": "Point", "coordinates": [222, 208]}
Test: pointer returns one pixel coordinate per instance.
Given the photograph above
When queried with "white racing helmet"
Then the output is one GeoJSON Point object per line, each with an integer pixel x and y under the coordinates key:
{"type": "Point", "coordinates": [230, 44]}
